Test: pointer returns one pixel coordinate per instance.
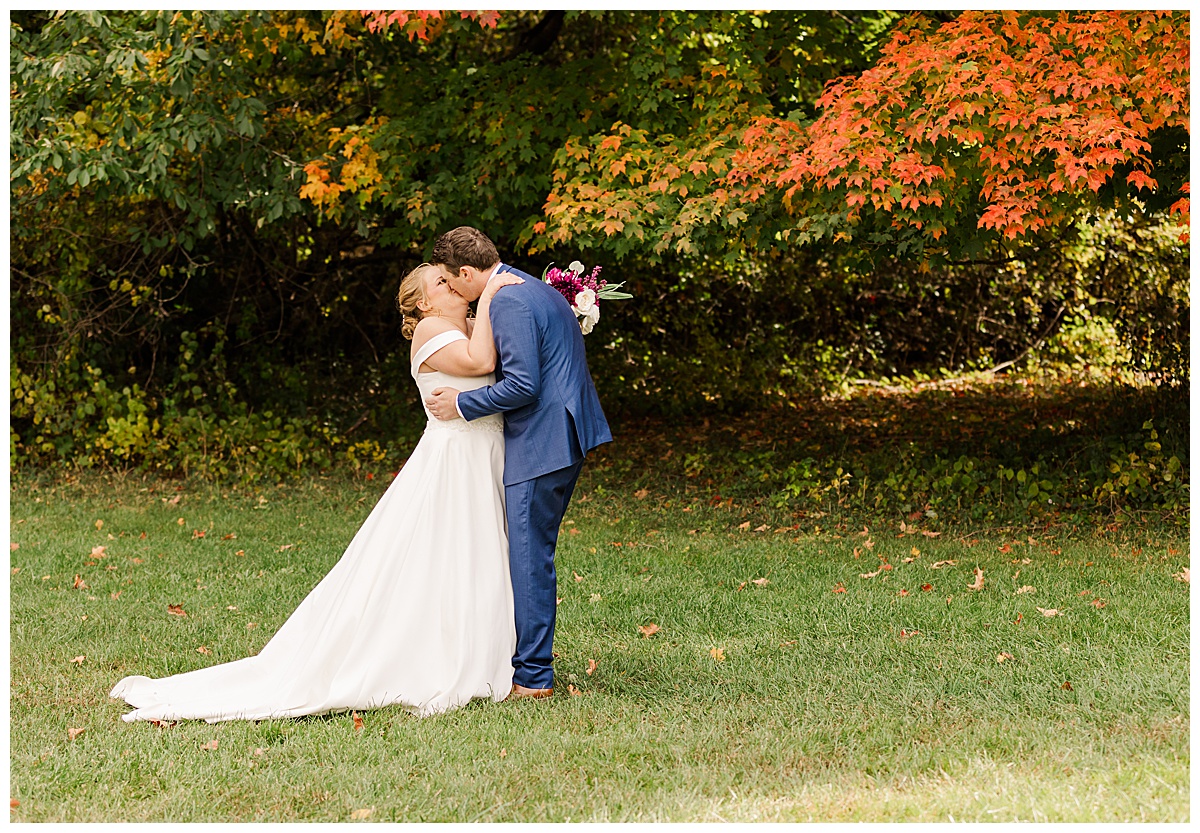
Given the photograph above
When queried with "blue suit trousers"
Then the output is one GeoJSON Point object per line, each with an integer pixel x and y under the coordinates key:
{"type": "Point", "coordinates": [535, 508]}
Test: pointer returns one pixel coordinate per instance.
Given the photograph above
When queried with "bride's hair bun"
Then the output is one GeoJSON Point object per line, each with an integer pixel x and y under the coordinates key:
{"type": "Point", "coordinates": [412, 292]}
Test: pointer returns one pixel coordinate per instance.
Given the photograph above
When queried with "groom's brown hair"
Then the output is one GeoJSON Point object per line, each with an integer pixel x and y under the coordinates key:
{"type": "Point", "coordinates": [464, 246]}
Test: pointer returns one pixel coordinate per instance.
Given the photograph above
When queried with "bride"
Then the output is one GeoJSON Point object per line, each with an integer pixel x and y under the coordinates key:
{"type": "Point", "coordinates": [419, 610]}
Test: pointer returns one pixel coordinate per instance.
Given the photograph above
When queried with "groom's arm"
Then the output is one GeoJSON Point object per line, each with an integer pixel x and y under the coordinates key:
{"type": "Point", "coordinates": [516, 336]}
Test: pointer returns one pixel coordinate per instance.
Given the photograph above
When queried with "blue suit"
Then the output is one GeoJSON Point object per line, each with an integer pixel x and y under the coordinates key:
{"type": "Point", "coordinates": [552, 419]}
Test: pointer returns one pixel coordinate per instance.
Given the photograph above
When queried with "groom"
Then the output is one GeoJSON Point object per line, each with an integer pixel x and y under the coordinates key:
{"type": "Point", "coordinates": [552, 418]}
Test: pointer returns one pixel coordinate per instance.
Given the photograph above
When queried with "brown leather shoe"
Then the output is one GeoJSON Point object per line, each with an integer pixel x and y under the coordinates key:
{"type": "Point", "coordinates": [520, 692]}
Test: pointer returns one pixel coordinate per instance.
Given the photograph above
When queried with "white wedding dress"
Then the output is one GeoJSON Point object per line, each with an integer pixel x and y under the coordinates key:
{"type": "Point", "coordinates": [417, 613]}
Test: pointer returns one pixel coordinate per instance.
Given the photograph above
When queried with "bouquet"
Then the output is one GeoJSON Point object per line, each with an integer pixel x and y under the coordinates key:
{"type": "Point", "coordinates": [583, 292]}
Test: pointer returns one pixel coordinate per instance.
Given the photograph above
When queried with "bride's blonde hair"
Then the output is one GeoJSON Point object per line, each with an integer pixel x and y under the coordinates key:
{"type": "Point", "coordinates": [412, 292]}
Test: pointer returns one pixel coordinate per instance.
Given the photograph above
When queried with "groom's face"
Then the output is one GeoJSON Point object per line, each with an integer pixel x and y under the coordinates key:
{"type": "Point", "coordinates": [467, 282]}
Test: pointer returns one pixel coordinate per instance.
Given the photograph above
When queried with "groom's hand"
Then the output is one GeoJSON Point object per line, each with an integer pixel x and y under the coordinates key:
{"type": "Point", "coordinates": [442, 403]}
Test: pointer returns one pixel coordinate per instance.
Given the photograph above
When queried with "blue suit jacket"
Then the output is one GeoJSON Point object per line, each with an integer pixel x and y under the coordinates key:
{"type": "Point", "coordinates": [552, 415]}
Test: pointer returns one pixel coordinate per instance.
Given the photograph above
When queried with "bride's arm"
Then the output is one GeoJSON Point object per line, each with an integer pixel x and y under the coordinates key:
{"type": "Point", "coordinates": [475, 356]}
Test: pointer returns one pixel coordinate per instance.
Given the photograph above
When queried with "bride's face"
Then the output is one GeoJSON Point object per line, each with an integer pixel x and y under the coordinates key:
{"type": "Point", "coordinates": [440, 298]}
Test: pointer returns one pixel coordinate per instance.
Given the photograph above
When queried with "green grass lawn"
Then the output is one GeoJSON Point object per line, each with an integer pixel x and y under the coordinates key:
{"type": "Point", "coordinates": [764, 695]}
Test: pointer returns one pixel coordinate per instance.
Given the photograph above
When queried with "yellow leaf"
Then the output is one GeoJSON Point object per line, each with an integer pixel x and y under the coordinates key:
{"type": "Point", "coordinates": [363, 813]}
{"type": "Point", "coordinates": [718, 654]}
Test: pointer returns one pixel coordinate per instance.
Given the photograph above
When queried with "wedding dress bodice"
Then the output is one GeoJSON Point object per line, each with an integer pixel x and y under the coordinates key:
{"type": "Point", "coordinates": [429, 381]}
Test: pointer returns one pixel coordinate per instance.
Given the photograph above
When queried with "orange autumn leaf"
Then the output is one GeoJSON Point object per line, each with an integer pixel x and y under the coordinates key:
{"type": "Point", "coordinates": [718, 654]}
{"type": "Point", "coordinates": [74, 733]}
{"type": "Point", "coordinates": [358, 721]}
{"type": "Point", "coordinates": [204, 649]}
{"type": "Point", "coordinates": [79, 583]}
{"type": "Point", "coordinates": [79, 660]}
{"type": "Point", "coordinates": [573, 691]}
{"type": "Point", "coordinates": [902, 592]}
{"type": "Point", "coordinates": [98, 552]}
{"type": "Point", "coordinates": [839, 588]}
{"type": "Point", "coordinates": [648, 630]}
{"type": "Point", "coordinates": [577, 576]}
{"type": "Point", "coordinates": [210, 746]}
{"type": "Point", "coordinates": [1003, 655]}
{"type": "Point", "coordinates": [1098, 603]}
{"type": "Point", "coordinates": [176, 610]}
{"type": "Point", "coordinates": [591, 669]}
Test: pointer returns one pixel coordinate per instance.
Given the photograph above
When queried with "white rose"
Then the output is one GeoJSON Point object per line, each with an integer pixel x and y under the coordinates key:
{"type": "Point", "coordinates": [576, 267]}
{"type": "Point", "coordinates": [589, 319]}
{"type": "Point", "coordinates": [585, 302]}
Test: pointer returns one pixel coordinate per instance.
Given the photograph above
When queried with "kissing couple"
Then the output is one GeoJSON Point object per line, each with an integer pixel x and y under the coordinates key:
{"type": "Point", "coordinates": [447, 592]}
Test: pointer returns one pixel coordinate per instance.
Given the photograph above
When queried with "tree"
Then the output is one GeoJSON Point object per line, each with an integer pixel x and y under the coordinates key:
{"type": "Point", "coordinates": [1015, 124]}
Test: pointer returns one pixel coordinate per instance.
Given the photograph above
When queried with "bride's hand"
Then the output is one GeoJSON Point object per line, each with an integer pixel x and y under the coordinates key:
{"type": "Point", "coordinates": [495, 284]}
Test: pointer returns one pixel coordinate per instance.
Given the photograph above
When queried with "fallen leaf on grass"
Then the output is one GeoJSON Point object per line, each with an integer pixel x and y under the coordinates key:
{"type": "Point", "coordinates": [718, 654]}
{"type": "Point", "coordinates": [503, 753]}
{"type": "Point", "coordinates": [573, 691]}
{"type": "Point", "coordinates": [180, 522]}
{"type": "Point", "coordinates": [1084, 593]}
{"type": "Point", "coordinates": [363, 813]}
{"type": "Point", "coordinates": [240, 553]}
{"type": "Point", "coordinates": [142, 536]}
{"type": "Point", "coordinates": [286, 547]}
{"type": "Point", "coordinates": [929, 534]}
{"type": "Point", "coordinates": [136, 560]}
{"type": "Point", "coordinates": [1066, 686]}
{"type": "Point", "coordinates": [229, 537]}
{"type": "Point", "coordinates": [210, 746]}
{"type": "Point", "coordinates": [79, 660]}
{"type": "Point", "coordinates": [591, 667]}
{"type": "Point", "coordinates": [199, 533]}
{"type": "Point", "coordinates": [762, 528]}
{"type": "Point", "coordinates": [937, 565]}
{"type": "Point", "coordinates": [98, 552]}
{"type": "Point", "coordinates": [115, 595]}
{"type": "Point", "coordinates": [573, 531]}
{"type": "Point", "coordinates": [902, 593]}
{"type": "Point", "coordinates": [13, 804]}
{"type": "Point", "coordinates": [163, 724]}
{"type": "Point", "coordinates": [906, 634]}
{"type": "Point", "coordinates": [641, 494]}
{"type": "Point", "coordinates": [1098, 603]}
{"type": "Point", "coordinates": [203, 649]}
{"type": "Point", "coordinates": [1026, 589]}
{"type": "Point", "coordinates": [787, 644]}
{"type": "Point", "coordinates": [978, 583]}
{"type": "Point", "coordinates": [251, 625]}
{"type": "Point", "coordinates": [839, 588]}
{"type": "Point", "coordinates": [176, 610]}
{"type": "Point", "coordinates": [79, 584]}
{"type": "Point", "coordinates": [1003, 655]}
{"type": "Point", "coordinates": [761, 582]}
{"type": "Point", "coordinates": [648, 630]}
{"type": "Point", "coordinates": [1017, 621]}
{"type": "Point", "coordinates": [1006, 549]}
{"type": "Point", "coordinates": [16, 570]}
{"type": "Point", "coordinates": [358, 721]}
{"type": "Point", "coordinates": [914, 552]}
{"type": "Point", "coordinates": [1185, 576]}
{"type": "Point", "coordinates": [74, 733]}
{"type": "Point", "coordinates": [99, 524]}
{"type": "Point", "coordinates": [870, 575]}
{"type": "Point", "coordinates": [577, 576]}
{"type": "Point", "coordinates": [1053, 611]}
{"type": "Point", "coordinates": [14, 546]}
